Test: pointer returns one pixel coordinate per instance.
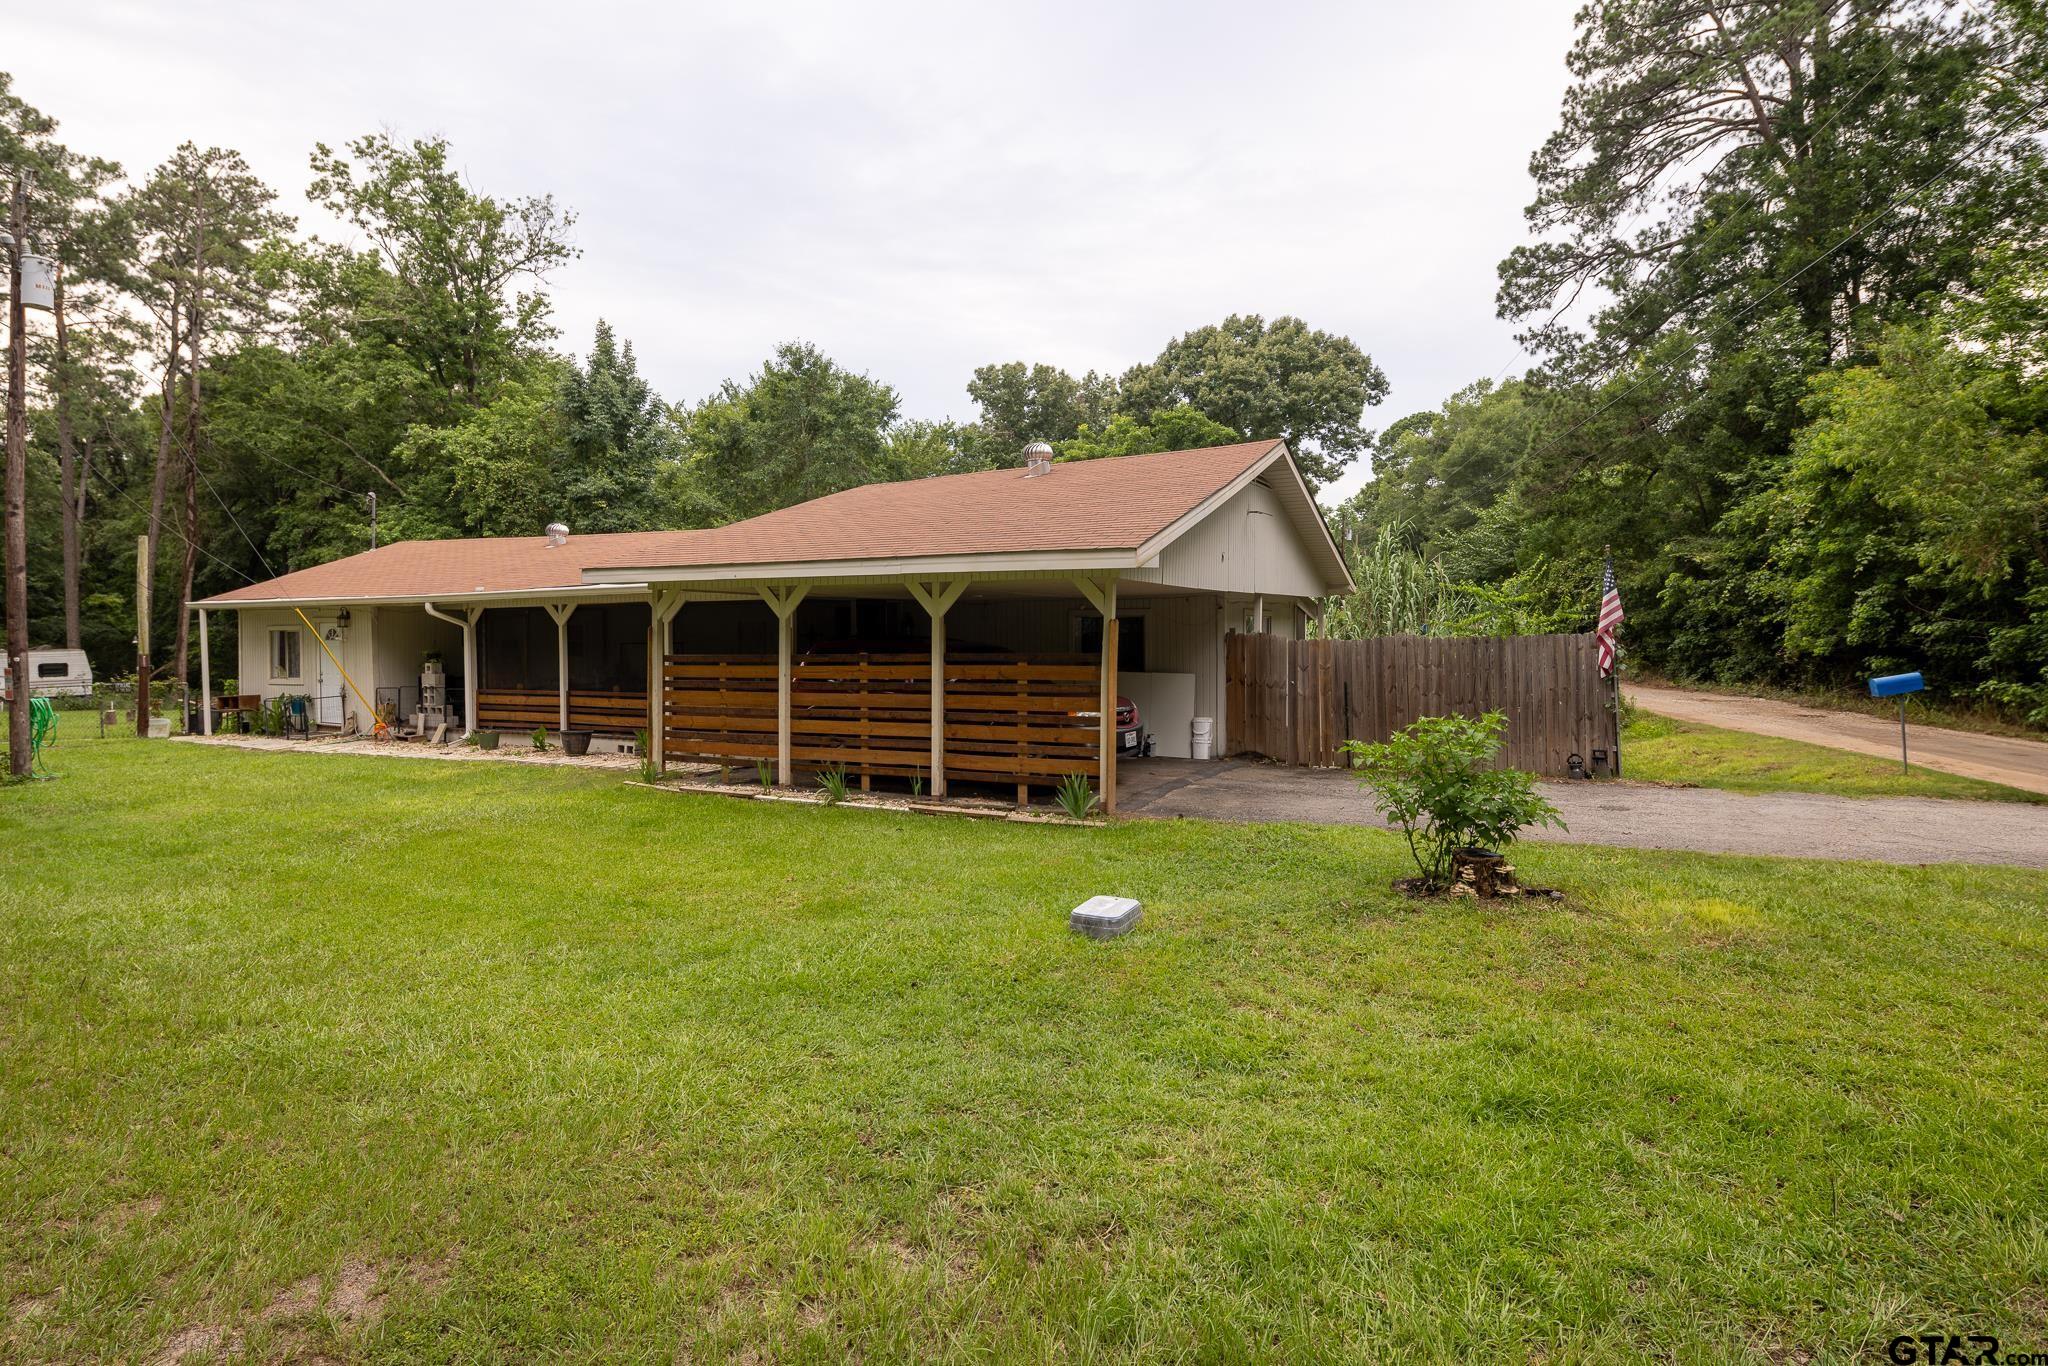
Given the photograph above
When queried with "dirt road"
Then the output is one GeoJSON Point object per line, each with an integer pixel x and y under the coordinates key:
{"type": "Point", "coordinates": [1994, 758]}
{"type": "Point", "coordinates": [1633, 815]}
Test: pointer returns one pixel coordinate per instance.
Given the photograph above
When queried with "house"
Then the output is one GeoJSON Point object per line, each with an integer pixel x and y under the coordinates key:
{"type": "Point", "coordinates": [978, 626]}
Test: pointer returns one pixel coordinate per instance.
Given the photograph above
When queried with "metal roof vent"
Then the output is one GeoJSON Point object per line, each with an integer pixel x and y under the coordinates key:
{"type": "Point", "coordinates": [558, 533]}
{"type": "Point", "coordinates": [1037, 460]}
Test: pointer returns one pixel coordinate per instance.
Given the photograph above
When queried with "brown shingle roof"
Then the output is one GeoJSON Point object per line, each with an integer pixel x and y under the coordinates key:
{"type": "Point", "coordinates": [1111, 504]}
{"type": "Point", "coordinates": [434, 569]}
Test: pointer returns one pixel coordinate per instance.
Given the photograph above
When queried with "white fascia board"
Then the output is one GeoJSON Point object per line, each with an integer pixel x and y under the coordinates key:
{"type": "Point", "coordinates": [583, 591]}
{"type": "Point", "coordinates": [1052, 564]}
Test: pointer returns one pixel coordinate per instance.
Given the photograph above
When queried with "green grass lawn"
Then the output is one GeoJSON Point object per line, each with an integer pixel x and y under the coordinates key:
{"type": "Point", "coordinates": [415, 1061]}
{"type": "Point", "coordinates": [1658, 749]}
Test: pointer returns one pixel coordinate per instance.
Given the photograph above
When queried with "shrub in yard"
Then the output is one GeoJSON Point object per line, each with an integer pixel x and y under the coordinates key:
{"type": "Point", "coordinates": [540, 737]}
{"type": "Point", "coordinates": [832, 782]}
{"type": "Point", "coordinates": [1434, 780]}
{"type": "Point", "coordinates": [650, 772]}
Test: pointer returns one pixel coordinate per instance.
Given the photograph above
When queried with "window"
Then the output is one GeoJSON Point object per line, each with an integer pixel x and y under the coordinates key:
{"type": "Point", "coordinates": [1130, 640]}
{"type": "Point", "coordinates": [284, 653]}
{"type": "Point", "coordinates": [52, 668]}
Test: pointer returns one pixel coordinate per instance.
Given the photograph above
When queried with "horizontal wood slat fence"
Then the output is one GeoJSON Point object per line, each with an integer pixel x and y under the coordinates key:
{"type": "Point", "coordinates": [1298, 701]}
{"type": "Point", "coordinates": [605, 713]}
{"type": "Point", "coordinates": [1008, 718]}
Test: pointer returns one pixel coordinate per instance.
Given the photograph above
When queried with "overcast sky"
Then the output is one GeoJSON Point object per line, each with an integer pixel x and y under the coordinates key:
{"type": "Point", "coordinates": [917, 189]}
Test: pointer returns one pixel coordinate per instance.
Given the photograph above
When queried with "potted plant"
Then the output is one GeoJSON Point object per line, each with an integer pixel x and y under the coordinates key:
{"type": "Point", "coordinates": [484, 739]}
{"type": "Point", "coordinates": [575, 741]}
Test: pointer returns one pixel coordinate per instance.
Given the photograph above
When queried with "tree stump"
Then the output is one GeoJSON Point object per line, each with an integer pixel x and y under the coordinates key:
{"type": "Point", "coordinates": [1475, 872]}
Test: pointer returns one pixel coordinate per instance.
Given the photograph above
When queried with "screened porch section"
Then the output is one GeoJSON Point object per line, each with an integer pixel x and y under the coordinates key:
{"type": "Point", "coordinates": [521, 652]}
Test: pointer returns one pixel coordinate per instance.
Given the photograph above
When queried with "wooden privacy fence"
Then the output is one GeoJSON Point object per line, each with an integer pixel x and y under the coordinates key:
{"type": "Point", "coordinates": [607, 713]}
{"type": "Point", "coordinates": [1009, 719]}
{"type": "Point", "coordinates": [1298, 701]}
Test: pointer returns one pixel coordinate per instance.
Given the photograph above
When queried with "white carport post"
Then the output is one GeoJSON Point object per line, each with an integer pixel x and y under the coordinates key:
{"type": "Point", "coordinates": [205, 680]}
{"type": "Point", "coordinates": [937, 598]}
{"type": "Point", "coordinates": [783, 602]}
{"type": "Point", "coordinates": [467, 621]}
{"type": "Point", "coordinates": [661, 611]}
{"type": "Point", "coordinates": [1102, 593]}
{"type": "Point", "coordinates": [561, 612]}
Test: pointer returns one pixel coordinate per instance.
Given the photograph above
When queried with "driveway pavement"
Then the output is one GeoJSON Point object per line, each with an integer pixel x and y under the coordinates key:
{"type": "Point", "coordinates": [1994, 758]}
{"type": "Point", "coordinates": [1633, 815]}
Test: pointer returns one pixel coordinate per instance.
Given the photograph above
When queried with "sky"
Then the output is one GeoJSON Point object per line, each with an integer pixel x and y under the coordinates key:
{"type": "Point", "coordinates": [917, 189]}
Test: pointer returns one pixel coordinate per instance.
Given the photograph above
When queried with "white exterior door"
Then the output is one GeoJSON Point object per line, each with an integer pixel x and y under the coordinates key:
{"type": "Point", "coordinates": [327, 686]}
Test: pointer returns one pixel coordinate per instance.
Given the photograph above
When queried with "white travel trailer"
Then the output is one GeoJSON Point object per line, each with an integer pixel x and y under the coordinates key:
{"type": "Point", "coordinates": [51, 673]}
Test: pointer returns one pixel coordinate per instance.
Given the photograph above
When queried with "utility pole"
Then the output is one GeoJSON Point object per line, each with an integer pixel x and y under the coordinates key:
{"type": "Point", "coordinates": [18, 758]}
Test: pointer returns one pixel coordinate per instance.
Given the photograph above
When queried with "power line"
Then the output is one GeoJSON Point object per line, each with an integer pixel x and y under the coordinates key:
{"type": "Point", "coordinates": [231, 517]}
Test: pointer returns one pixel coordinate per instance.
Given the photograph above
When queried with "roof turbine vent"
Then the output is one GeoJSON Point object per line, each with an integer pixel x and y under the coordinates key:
{"type": "Point", "coordinates": [558, 533]}
{"type": "Point", "coordinates": [1037, 460]}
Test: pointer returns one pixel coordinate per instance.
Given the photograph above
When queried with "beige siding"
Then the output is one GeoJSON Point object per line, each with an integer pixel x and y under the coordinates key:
{"type": "Point", "coordinates": [354, 645]}
{"type": "Point", "coordinates": [1249, 545]}
{"type": "Point", "coordinates": [403, 636]}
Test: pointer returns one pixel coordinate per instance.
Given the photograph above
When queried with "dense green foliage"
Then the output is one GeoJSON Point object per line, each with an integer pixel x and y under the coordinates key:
{"type": "Point", "coordinates": [1809, 415]}
{"type": "Point", "coordinates": [581, 1070]}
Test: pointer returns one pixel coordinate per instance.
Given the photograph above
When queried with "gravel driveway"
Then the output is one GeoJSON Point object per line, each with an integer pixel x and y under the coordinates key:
{"type": "Point", "coordinates": [1634, 815]}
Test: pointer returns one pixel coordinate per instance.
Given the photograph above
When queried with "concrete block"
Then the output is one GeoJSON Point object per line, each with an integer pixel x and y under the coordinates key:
{"type": "Point", "coordinates": [1104, 917]}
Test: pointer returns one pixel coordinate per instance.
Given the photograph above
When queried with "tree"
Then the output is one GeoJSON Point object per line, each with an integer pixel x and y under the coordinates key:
{"type": "Point", "coordinates": [94, 339]}
{"type": "Point", "coordinates": [1911, 527]}
{"type": "Point", "coordinates": [619, 434]}
{"type": "Point", "coordinates": [920, 449]}
{"type": "Point", "coordinates": [452, 259]}
{"type": "Point", "coordinates": [1713, 159]}
{"type": "Point", "coordinates": [1306, 387]}
{"type": "Point", "coordinates": [1179, 428]}
{"type": "Point", "coordinates": [1020, 404]}
{"type": "Point", "coordinates": [801, 428]}
{"type": "Point", "coordinates": [204, 222]}
{"type": "Point", "coordinates": [29, 153]}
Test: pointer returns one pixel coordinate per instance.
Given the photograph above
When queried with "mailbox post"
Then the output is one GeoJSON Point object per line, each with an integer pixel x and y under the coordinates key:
{"type": "Point", "coordinates": [1899, 686]}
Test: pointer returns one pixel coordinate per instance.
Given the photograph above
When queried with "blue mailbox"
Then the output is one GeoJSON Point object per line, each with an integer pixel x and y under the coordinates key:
{"type": "Point", "coordinates": [1898, 685]}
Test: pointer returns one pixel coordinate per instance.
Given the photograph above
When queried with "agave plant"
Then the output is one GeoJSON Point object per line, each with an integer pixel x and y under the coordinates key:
{"type": "Point", "coordinates": [1075, 797]}
{"type": "Point", "coordinates": [832, 782]}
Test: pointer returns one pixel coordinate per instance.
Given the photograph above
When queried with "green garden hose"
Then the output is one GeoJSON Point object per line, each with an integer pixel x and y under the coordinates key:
{"type": "Point", "coordinates": [42, 725]}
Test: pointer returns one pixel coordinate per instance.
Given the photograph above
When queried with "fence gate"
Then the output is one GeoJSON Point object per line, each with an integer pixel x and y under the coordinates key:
{"type": "Point", "coordinates": [1298, 701]}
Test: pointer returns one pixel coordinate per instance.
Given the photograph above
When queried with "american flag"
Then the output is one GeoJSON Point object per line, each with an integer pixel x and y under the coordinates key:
{"type": "Point", "coordinates": [1610, 618]}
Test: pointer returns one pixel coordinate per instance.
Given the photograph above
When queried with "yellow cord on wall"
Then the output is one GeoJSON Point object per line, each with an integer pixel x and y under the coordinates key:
{"type": "Point", "coordinates": [368, 705]}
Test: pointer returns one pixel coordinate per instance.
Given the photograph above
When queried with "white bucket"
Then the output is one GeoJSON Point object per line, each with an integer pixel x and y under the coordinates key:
{"type": "Point", "coordinates": [1199, 740]}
